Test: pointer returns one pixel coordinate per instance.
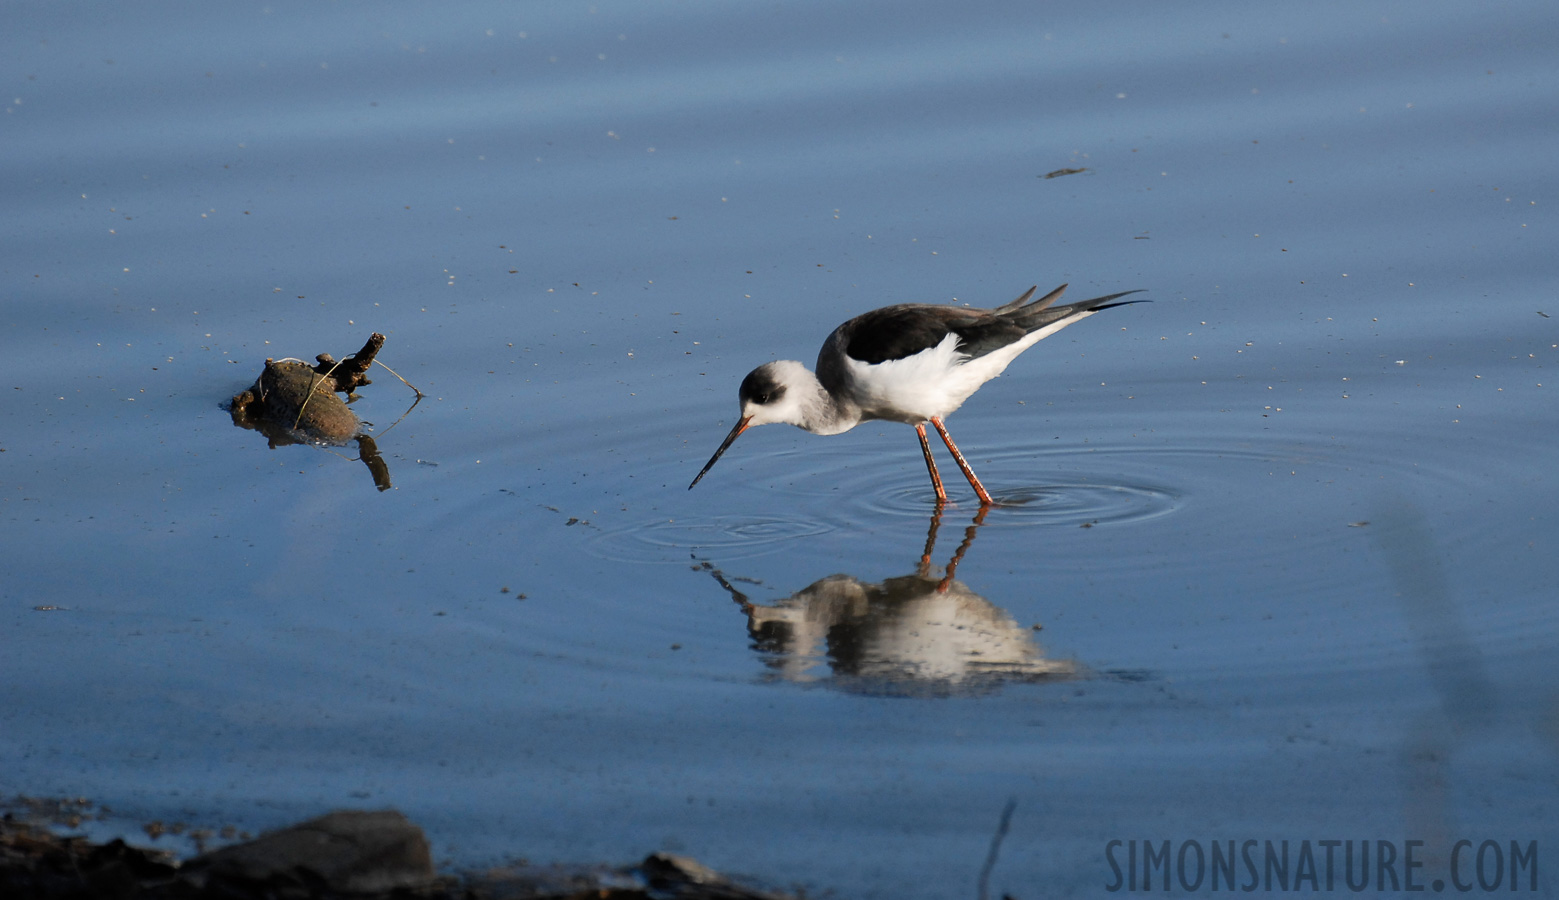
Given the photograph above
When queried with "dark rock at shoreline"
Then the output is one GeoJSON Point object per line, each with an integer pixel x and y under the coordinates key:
{"type": "Point", "coordinates": [348, 851]}
{"type": "Point", "coordinates": [344, 855]}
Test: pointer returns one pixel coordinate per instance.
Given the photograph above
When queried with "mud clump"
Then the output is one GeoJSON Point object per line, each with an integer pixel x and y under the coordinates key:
{"type": "Point", "coordinates": [293, 401]}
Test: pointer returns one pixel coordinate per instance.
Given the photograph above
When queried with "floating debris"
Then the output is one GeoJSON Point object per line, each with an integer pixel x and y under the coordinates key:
{"type": "Point", "coordinates": [293, 402]}
{"type": "Point", "coordinates": [292, 398]}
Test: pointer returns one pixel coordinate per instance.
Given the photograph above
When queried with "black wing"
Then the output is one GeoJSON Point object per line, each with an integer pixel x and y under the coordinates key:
{"type": "Point", "coordinates": [897, 332]}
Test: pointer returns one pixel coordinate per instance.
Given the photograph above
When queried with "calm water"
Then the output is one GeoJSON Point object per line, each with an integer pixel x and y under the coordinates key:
{"type": "Point", "coordinates": [1315, 597]}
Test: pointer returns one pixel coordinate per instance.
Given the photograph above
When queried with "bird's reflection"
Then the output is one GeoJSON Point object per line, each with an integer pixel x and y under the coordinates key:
{"type": "Point", "coordinates": [925, 632]}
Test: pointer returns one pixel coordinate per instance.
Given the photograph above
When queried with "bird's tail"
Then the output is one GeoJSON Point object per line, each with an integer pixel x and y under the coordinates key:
{"type": "Point", "coordinates": [1040, 313]}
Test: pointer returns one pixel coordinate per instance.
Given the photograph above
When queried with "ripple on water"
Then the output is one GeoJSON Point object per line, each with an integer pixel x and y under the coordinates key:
{"type": "Point", "coordinates": [1294, 492]}
{"type": "Point", "coordinates": [1072, 491]}
{"type": "Point", "coordinates": [731, 537]}
{"type": "Point", "coordinates": [1071, 502]}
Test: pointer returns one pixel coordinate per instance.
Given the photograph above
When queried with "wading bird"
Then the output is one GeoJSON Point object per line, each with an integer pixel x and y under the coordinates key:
{"type": "Point", "coordinates": [912, 363]}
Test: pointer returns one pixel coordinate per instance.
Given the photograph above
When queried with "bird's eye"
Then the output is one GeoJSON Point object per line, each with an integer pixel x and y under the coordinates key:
{"type": "Point", "coordinates": [763, 398]}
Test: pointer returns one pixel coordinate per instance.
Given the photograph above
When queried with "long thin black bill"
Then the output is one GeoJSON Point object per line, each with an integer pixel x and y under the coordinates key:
{"type": "Point", "coordinates": [729, 439]}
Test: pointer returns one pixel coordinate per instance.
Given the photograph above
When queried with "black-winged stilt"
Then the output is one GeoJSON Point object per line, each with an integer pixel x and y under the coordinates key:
{"type": "Point", "coordinates": [912, 363]}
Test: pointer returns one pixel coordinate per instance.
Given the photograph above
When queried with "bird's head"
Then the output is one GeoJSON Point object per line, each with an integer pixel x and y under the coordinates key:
{"type": "Point", "coordinates": [773, 393]}
{"type": "Point", "coordinates": [770, 393]}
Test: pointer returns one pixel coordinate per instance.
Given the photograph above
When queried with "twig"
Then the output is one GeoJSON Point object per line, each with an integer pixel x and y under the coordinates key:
{"type": "Point", "coordinates": [1001, 832]}
{"type": "Point", "coordinates": [403, 381]}
{"type": "Point", "coordinates": [312, 385]}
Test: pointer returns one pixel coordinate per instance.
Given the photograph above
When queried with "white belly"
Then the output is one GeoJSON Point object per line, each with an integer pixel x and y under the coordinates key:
{"type": "Point", "coordinates": [933, 382]}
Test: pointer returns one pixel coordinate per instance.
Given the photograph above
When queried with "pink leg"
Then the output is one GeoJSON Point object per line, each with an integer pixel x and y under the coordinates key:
{"type": "Point", "coordinates": [936, 480]}
{"type": "Point", "coordinates": [985, 498]}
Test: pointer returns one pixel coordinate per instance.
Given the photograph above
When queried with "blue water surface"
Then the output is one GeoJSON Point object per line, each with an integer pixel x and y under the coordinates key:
{"type": "Point", "coordinates": [1276, 554]}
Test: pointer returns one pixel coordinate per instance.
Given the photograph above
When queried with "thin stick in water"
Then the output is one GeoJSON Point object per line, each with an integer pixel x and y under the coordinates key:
{"type": "Point", "coordinates": [312, 385]}
{"type": "Point", "coordinates": [403, 381]}
{"type": "Point", "coordinates": [1001, 833]}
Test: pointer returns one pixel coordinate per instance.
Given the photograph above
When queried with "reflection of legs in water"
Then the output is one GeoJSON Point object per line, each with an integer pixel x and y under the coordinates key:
{"type": "Point", "coordinates": [924, 569]}
{"type": "Point", "coordinates": [952, 565]}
